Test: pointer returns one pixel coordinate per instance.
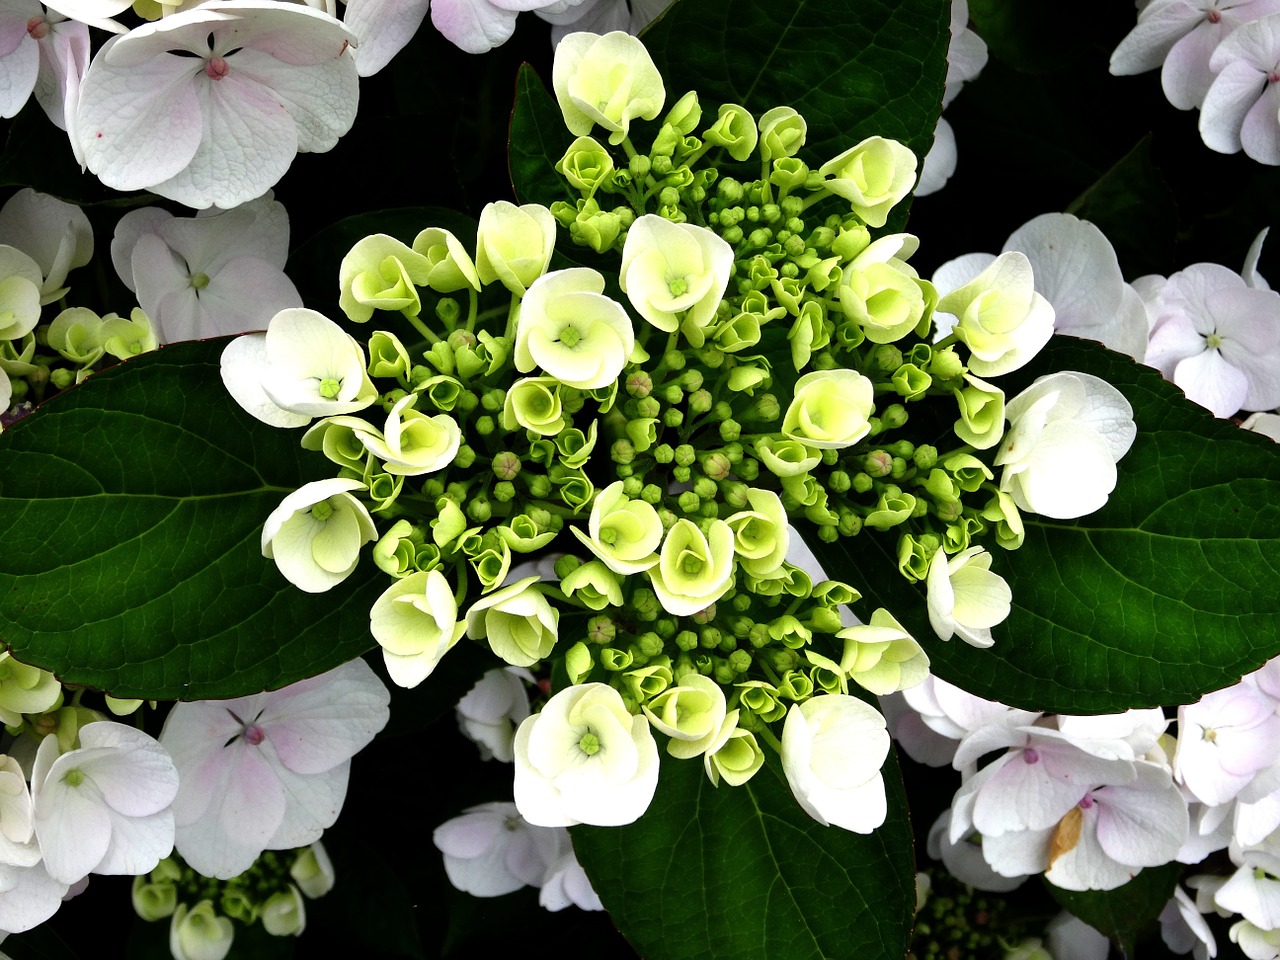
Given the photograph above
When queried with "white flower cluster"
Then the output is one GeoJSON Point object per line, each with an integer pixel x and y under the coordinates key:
{"type": "Point", "coordinates": [1221, 57]}
{"type": "Point", "coordinates": [1087, 801]}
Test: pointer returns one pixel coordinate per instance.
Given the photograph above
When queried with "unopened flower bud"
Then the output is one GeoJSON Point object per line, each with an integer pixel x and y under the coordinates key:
{"type": "Point", "coordinates": [639, 384]}
{"type": "Point", "coordinates": [878, 463]}
{"type": "Point", "coordinates": [622, 451]}
{"type": "Point", "coordinates": [506, 465]}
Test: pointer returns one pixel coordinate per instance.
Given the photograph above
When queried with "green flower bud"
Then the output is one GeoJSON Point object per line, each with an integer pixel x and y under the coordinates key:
{"type": "Point", "coordinates": [381, 273]}
{"type": "Point", "coordinates": [594, 585]}
{"type": "Point", "coordinates": [586, 165]}
{"type": "Point", "coordinates": [946, 364]}
{"type": "Point", "coordinates": [643, 433]}
{"type": "Point", "coordinates": [795, 686]}
{"type": "Point", "coordinates": [914, 555]}
{"type": "Point", "coordinates": [578, 662]}
{"type": "Point", "coordinates": [969, 471]}
{"type": "Point", "coordinates": [981, 423]}
{"type": "Point", "coordinates": [891, 511]}
{"type": "Point", "coordinates": [910, 382]}
{"type": "Point", "coordinates": [154, 900]}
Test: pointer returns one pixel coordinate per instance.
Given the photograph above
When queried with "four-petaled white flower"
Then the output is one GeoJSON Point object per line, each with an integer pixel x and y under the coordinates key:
{"type": "Point", "coordinates": [210, 105]}
{"type": "Point", "coordinates": [833, 747]}
{"type": "Point", "coordinates": [1217, 338]}
{"type": "Point", "coordinates": [1067, 432]}
{"type": "Point", "coordinates": [605, 80]}
{"type": "Point", "coordinates": [675, 274]}
{"type": "Point", "coordinates": [585, 759]}
{"type": "Point", "coordinates": [965, 597]}
{"type": "Point", "coordinates": [416, 622]}
{"type": "Point", "coordinates": [316, 533]}
{"type": "Point", "coordinates": [268, 772]}
{"type": "Point", "coordinates": [104, 807]}
{"type": "Point", "coordinates": [304, 366]}
{"type": "Point", "coordinates": [207, 276]}
{"type": "Point", "coordinates": [569, 328]}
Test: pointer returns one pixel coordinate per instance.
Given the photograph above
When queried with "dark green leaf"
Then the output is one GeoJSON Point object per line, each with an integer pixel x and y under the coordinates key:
{"type": "Point", "coordinates": [1165, 593]}
{"type": "Point", "coordinates": [1123, 913]}
{"type": "Point", "coordinates": [539, 139]}
{"type": "Point", "coordinates": [744, 872]}
{"type": "Point", "coordinates": [852, 70]}
{"type": "Point", "coordinates": [131, 509]}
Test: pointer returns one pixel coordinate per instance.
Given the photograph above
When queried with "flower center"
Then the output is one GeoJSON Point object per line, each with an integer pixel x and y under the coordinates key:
{"type": "Point", "coordinates": [570, 337]}
{"type": "Point", "coordinates": [1273, 76]}
{"type": "Point", "coordinates": [37, 28]}
{"type": "Point", "coordinates": [254, 735]}
{"type": "Point", "coordinates": [73, 778]}
{"type": "Point", "coordinates": [678, 286]}
{"type": "Point", "coordinates": [1031, 755]}
{"type": "Point", "coordinates": [329, 387]}
{"type": "Point", "coordinates": [216, 68]}
{"type": "Point", "coordinates": [1086, 802]}
{"type": "Point", "coordinates": [199, 280]}
{"type": "Point", "coordinates": [322, 511]}
{"type": "Point", "coordinates": [589, 744]}
{"type": "Point", "coordinates": [1213, 341]}
{"type": "Point", "coordinates": [1214, 16]}
{"type": "Point", "coordinates": [1210, 735]}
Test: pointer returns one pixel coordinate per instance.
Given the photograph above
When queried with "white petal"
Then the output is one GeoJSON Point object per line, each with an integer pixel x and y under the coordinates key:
{"type": "Point", "coordinates": [249, 140]}
{"type": "Point", "coordinates": [1210, 381]}
{"type": "Point", "coordinates": [1234, 91]}
{"type": "Point", "coordinates": [476, 26]}
{"type": "Point", "coordinates": [137, 844]}
{"type": "Point", "coordinates": [244, 365]}
{"type": "Point", "coordinates": [139, 125]}
{"type": "Point", "coordinates": [382, 28]}
{"type": "Point", "coordinates": [321, 98]}
{"type": "Point", "coordinates": [1187, 75]}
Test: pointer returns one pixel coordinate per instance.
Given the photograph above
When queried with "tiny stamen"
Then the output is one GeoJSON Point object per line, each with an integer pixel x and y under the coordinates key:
{"type": "Point", "coordinates": [216, 68]}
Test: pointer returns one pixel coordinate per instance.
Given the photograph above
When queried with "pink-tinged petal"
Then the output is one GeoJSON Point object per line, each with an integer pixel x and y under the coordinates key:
{"type": "Point", "coordinates": [259, 229]}
{"type": "Point", "coordinates": [207, 849]}
{"type": "Point", "coordinates": [291, 33]}
{"type": "Point", "coordinates": [382, 28]}
{"type": "Point", "coordinates": [1186, 75]}
{"type": "Point", "coordinates": [95, 13]}
{"type": "Point", "coordinates": [1144, 823]}
{"type": "Point", "coordinates": [1260, 133]}
{"type": "Point", "coordinates": [321, 98]}
{"type": "Point", "coordinates": [470, 835]}
{"type": "Point", "coordinates": [18, 67]}
{"type": "Point", "coordinates": [1160, 25]}
{"type": "Point", "coordinates": [139, 125]}
{"type": "Point", "coordinates": [476, 26]}
{"type": "Point", "coordinates": [1233, 93]}
{"type": "Point", "coordinates": [137, 844]}
{"type": "Point", "coordinates": [64, 61]}
{"type": "Point", "coordinates": [129, 230]}
{"type": "Point", "coordinates": [244, 296]}
{"type": "Point", "coordinates": [1035, 790]}
{"type": "Point", "coordinates": [251, 804]}
{"type": "Point", "coordinates": [330, 721]}
{"type": "Point", "coordinates": [1173, 339]}
{"type": "Point", "coordinates": [1019, 853]}
{"type": "Point", "coordinates": [249, 140]}
{"type": "Point", "coordinates": [1086, 866]}
{"type": "Point", "coordinates": [1210, 381]}
{"type": "Point", "coordinates": [314, 802]}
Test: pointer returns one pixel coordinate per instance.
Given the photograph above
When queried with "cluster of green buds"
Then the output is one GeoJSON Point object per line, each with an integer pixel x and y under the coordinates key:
{"type": "Point", "coordinates": [203, 912]}
{"type": "Point", "coordinates": [64, 351]}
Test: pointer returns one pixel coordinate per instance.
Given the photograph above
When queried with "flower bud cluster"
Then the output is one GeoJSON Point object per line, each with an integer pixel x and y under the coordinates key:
{"type": "Point", "coordinates": [765, 363]}
{"type": "Point", "coordinates": [203, 912]}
